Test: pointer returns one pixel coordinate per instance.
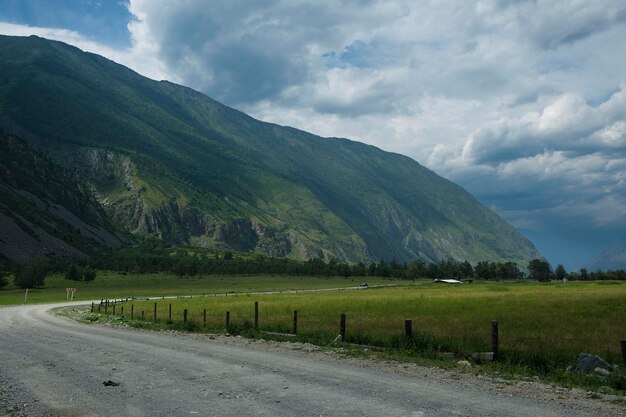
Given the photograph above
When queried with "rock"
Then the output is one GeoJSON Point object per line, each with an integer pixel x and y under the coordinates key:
{"type": "Point", "coordinates": [110, 383]}
{"type": "Point", "coordinates": [569, 369]}
{"type": "Point", "coordinates": [481, 357]}
{"type": "Point", "coordinates": [602, 371]}
{"type": "Point", "coordinates": [464, 364]}
{"type": "Point", "coordinates": [588, 363]}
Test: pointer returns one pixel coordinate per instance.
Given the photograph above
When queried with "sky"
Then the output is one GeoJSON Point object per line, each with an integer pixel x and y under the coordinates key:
{"type": "Point", "coordinates": [521, 102]}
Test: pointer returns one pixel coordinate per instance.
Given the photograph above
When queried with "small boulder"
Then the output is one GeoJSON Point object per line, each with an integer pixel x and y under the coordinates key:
{"type": "Point", "coordinates": [482, 357]}
{"type": "Point", "coordinates": [464, 364]}
{"type": "Point", "coordinates": [601, 371]}
{"type": "Point", "coordinates": [588, 363]}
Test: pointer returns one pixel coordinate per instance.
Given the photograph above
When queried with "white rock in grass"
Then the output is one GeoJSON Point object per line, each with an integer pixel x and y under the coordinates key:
{"type": "Point", "coordinates": [602, 371]}
{"type": "Point", "coordinates": [465, 364]}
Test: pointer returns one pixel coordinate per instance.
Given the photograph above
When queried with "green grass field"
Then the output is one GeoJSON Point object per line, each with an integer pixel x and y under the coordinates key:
{"type": "Point", "coordinates": [115, 285]}
{"type": "Point", "coordinates": [541, 325]}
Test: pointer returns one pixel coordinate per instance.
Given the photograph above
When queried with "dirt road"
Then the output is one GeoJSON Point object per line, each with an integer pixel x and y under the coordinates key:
{"type": "Point", "coordinates": [51, 365]}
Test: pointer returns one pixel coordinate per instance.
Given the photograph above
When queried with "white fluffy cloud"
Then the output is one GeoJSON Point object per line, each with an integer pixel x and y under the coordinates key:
{"type": "Point", "coordinates": [523, 102]}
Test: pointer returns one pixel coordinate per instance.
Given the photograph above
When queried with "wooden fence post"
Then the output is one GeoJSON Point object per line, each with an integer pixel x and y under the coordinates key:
{"type": "Point", "coordinates": [169, 314]}
{"type": "Point", "coordinates": [295, 322]}
{"type": "Point", "coordinates": [122, 312]}
{"type": "Point", "coordinates": [113, 308]}
{"type": "Point", "coordinates": [185, 316]}
{"type": "Point", "coordinates": [132, 311]}
{"type": "Point", "coordinates": [92, 305]}
{"type": "Point", "coordinates": [342, 328]}
{"type": "Point", "coordinates": [154, 317]}
{"type": "Point", "coordinates": [142, 315]}
{"type": "Point", "coordinates": [106, 307]}
{"type": "Point", "coordinates": [227, 320]}
{"type": "Point", "coordinates": [494, 339]}
{"type": "Point", "coordinates": [256, 315]}
{"type": "Point", "coordinates": [99, 308]}
{"type": "Point", "coordinates": [204, 316]}
{"type": "Point", "coordinates": [623, 343]}
{"type": "Point", "coordinates": [408, 330]}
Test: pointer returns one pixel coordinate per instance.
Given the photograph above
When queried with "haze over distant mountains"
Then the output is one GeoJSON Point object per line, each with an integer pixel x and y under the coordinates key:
{"type": "Point", "coordinates": [148, 157]}
{"type": "Point", "coordinates": [614, 257]}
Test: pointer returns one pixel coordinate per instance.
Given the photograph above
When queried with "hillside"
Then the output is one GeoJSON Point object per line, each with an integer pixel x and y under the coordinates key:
{"type": "Point", "coordinates": [44, 210]}
{"type": "Point", "coordinates": [614, 257]}
{"type": "Point", "coordinates": [166, 160]}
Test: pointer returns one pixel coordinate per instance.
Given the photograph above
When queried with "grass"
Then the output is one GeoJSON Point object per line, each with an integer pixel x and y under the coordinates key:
{"type": "Point", "coordinates": [543, 327]}
{"type": "Point", "coordinates": [115, 285]}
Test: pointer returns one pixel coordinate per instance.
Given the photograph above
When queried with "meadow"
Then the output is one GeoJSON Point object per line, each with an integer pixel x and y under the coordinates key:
{"type": "Point", "coordinates": [542, 326]}
{"type": "Point", "coordinates": [115, 285]}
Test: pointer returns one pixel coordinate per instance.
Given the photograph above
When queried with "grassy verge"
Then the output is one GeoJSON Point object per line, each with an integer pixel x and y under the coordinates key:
{"type": "Point", "coordinates": [543, 327]}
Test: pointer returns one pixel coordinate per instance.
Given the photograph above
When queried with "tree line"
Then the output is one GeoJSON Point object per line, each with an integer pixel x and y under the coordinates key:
{"type": "Point", "coordinates": [152, 257]}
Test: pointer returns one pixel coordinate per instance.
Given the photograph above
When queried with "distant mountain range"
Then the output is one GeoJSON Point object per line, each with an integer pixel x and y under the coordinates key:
{"type": "Point", "coordinates": [94, 154]}
{"type": "Point", "coordinates": [614, 257]}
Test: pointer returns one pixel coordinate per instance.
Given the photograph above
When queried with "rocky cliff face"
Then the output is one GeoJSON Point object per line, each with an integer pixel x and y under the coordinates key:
{"type": "Point", "coordinates": [45, 210]}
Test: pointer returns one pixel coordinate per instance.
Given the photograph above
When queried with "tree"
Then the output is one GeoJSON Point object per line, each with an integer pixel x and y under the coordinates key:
{"type": "Point", "coordinates": [3, 274]}
{"type": "Point", "coordinates": [560, 272]}
{"type": "Point", "coordinates": [466, 269]}
{"type": "Point", "coordinates": [78, 273]}
{"type": "Point", "coordinates": [73, 273]}
{"type": "Point", "coordinates": [540, 270]}
{"type": "Point", "coordinates": [89, 274]}
{"type": "Point", "coordinates": [483, 271]}
{"type": "Point", "coordinates": [33, 274]}
{"type": "Point", "coordinates": [511, 271]}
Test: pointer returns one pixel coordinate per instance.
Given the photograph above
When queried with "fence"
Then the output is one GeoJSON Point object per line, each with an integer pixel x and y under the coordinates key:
{"type": "Point", "coordinates": [348, 327]}
{"type": "Point", "coordinates": [162, 312]}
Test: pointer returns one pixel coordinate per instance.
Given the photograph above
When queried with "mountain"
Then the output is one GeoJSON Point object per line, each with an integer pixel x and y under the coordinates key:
{"type": "Point", "coordinates": [44, 210]}
{"type": "Point", "coordinates": [168, 161]}
{"type": "Point", "coordinates": [614, 257]}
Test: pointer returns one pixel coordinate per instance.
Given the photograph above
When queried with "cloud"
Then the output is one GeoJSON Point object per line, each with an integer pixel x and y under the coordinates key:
{"type": "Point", "coordinates": [568, 124]}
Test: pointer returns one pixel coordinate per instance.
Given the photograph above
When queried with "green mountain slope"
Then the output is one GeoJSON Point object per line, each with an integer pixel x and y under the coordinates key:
{"type": "Point", "coordinates": [169, 161]}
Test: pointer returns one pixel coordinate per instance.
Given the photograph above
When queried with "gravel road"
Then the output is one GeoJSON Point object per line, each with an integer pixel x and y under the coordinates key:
{"type": "Point", "coordinates": [54, 366]}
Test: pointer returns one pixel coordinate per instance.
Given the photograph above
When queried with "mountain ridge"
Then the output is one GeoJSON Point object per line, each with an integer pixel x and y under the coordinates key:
{"type": "Point", "coordinates": [169, 161]}
{"type": "Point", "coordinates": [612, 258]}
